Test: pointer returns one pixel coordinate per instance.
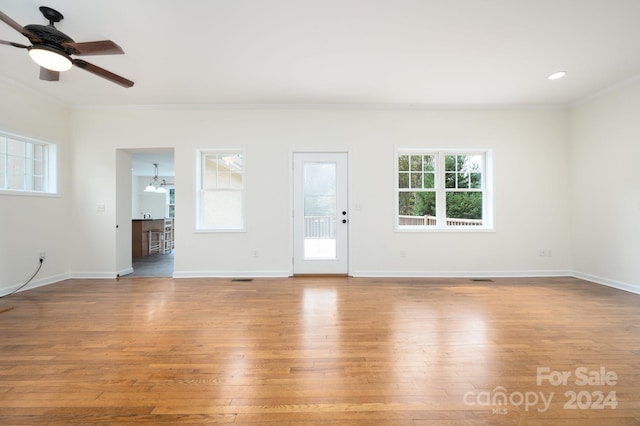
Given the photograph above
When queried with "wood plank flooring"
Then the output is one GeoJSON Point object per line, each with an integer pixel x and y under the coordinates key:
{"type": "Point", "coordinates": [314, 351]}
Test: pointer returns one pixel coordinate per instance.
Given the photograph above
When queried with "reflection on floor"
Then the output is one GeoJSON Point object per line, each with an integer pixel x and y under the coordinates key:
{"type": "Point", "coordinates": [155, 265]}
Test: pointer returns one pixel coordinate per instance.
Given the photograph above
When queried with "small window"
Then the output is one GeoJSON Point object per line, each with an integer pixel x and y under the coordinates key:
{"type": "Point", "coordinates": [171, 202]}
{"type": "Point", "coordinates": [443, 190]}
{"type": "Point", "coordinates": [27, 165]}
{"type": "Point", "coordinates": [221, 190]}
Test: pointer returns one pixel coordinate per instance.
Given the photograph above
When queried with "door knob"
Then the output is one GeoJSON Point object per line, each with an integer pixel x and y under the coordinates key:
{"type": "Point", "coordinates": [344, 220]}
{"type": "Point", "coordinates": [344, 213]}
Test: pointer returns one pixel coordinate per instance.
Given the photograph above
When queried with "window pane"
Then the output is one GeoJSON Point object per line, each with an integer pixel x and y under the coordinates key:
{"type": "Point", "coordinates": [464, 208]}
{"type": "Point", "coordinates": [417, 203]}
{"type": "Point", "coordinates": [320, 210]}
{"type": "Point", "coordinates": [3, 171]}
{"type": "Point", "coordinates": [463, 180]}
{"type": "Point", "coordinates": [450, 180]}
{"type": "Point", "coordinates": [210, 175]}
{"type": "Point", "coordinates": [425, 204]}
{"type": "Point", "coordinates": [403, 180]}
{"type": "Point", "coordinates": [235, 180]}
{"type": "Point", "coordinates": [416, 180]}
{"type": "Point", "coordinates": [476, 180]}
{"type": "Point", "coordinates": [320, 189]}
{"type": "Point", "coordinates": [406, 201]}
{"type": "Point", "coordinates": [403, 163]}
{"type": "Point", "coordinates": [15, 148]}
{"type": "Point", "coordinates": [417, 208]}
{"type": "Point", "coordinates": [38, 184]}
{"type": "Point", "coordinates": [450, 163]}
{"type": "Point", "coordinates": [474, 163]}
{"type": "Point", "coordinates": [429, 181]}
{"type": "Point", "coordinates": [223, 180]}
{"type": "Point", "coordinates": [416, 163]}
{"type": "Point", "coordinates": [15, 172]}
{"type": "Point", "coordinates": [429, 163]}
{"type": "Point", "coordinates": [222, 209]}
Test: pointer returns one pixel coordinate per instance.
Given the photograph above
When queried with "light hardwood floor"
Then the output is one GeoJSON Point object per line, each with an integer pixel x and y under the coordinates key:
{"type": "Point", "coordinates": [320, 351]}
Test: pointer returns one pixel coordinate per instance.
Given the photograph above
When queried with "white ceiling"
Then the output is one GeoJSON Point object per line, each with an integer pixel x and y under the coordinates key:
{"type": "Point", "coordinates": [356, 52]}
{"type": "Point", "coordinates": [142, 161]}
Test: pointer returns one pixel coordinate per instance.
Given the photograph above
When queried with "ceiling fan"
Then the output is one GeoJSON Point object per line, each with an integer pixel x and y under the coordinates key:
{"type": "Point", "coordinates": [52, 49]}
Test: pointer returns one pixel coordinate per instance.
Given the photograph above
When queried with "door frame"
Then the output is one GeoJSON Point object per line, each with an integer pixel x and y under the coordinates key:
{"type": "Point", "coordinates": [292, 200]}
{"type": "Point", "coordinates": [123, 213]}
{"type": "Point", "coordinates": [124, 195]}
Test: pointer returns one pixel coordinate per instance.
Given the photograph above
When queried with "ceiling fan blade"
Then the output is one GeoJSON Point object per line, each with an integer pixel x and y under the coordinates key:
{"type": "Point", "coordinates": [102, 47]}
{"type": "Point", "coordinates": [101, 72]}
{"type": "Point", "coordinates": [10, 43]}
{"type": "Point", "coordinates": [19, 28]}
{"type": "Point", "coordinates": [48, 75]}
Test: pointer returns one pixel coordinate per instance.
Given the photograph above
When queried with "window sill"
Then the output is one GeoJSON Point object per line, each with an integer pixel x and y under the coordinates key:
{"type": "Point", "coordinates": [459, 229]}
{"type": "Point", "coordinates": [29, 193]}
{"type": "Point", "coordinates": [218, 231]}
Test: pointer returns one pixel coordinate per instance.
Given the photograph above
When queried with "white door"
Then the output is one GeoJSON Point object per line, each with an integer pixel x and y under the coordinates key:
{"type": "Point", "coordinates": [320, 215]}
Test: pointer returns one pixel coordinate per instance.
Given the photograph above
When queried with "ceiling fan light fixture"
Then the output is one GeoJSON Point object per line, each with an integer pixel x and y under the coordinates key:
{"type": "Point", "coordinates": [50, 58]}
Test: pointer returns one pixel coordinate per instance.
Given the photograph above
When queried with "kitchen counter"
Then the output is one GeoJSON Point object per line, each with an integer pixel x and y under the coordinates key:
{"type": "Point", "coordinates": [140, 235]}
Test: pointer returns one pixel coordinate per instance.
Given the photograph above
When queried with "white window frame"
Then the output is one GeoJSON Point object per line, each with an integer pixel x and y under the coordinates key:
{"type": "Point", "coordinates": [49, 173]}
{"type": "Point", "coordinates": [201, 189]}
{"type": "Point", "coordinates": [441, 192]}
{"type": "Point", "coordinates": [169, 204]}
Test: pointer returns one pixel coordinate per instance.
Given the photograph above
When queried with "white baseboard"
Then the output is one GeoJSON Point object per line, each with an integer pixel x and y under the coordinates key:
{"type": "Point", "coordinates": [459, 274]}
{"type": "Point", "coordinates": [231, 274]}
{"type": "Point", "coordinates": [36, 283]}
{"type": "Point", "coordinates": [124, 272]}
{"type": "Point", "coordinates": [93, 275]}
{"type": "Point", "coordinates": [631, 288]}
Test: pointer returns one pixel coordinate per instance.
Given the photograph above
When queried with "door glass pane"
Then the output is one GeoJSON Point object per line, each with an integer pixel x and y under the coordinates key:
{"type": "Point", "coordinates": [320, 210]}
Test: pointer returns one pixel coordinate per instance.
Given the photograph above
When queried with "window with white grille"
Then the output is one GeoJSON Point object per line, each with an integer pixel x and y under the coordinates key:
{"type": "Point", "coordinates": [27, 165]}
{"type": "Point", "coordinates": [443, 190]}
{"type": "Point", "coordinates": [221, 184]}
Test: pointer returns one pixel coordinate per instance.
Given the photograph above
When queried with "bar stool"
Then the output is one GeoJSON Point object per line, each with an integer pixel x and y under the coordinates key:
{"type": "Point", "coordinates": [155, 237]}
{"type": "Point", "coordinates": [167, 236]}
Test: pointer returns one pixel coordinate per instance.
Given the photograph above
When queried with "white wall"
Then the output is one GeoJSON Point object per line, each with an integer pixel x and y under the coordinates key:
{"type": "Point", "coordinates": [595, 235]}
{"type": "Point", "coordinates": [530, 152]}
{"type": "Point", "coordinates": [605, 148]}
{"type": "Point", "coordinates": [30, 224]}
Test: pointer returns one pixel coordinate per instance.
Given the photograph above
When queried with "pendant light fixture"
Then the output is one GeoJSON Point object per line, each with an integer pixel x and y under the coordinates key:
{"type": "Point", "coordinates": [157, 185]}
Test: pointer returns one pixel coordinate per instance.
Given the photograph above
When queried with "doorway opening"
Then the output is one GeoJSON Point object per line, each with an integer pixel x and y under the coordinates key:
{"type": "Point", "coordinates": [152, 213]}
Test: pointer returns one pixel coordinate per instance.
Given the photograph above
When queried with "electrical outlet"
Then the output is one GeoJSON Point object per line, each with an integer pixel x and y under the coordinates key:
{"type": "Point", "coordinates": [256, 253]}
{"type": "Point", "coordinates": [43, 255]}
{"type": "Point", "coordinates": [403, 253]}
